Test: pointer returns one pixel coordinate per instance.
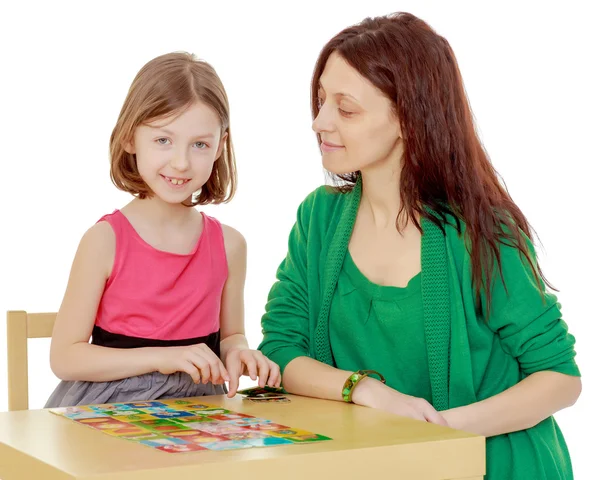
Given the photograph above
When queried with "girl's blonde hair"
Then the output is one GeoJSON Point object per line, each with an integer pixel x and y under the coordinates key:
{"type": "Point", "coordinates": [165, 86]}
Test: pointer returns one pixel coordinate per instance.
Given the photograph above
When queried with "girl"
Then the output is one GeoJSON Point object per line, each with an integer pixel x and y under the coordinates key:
{"type": "Point", "coordinates": [419, 266]}
{"type": "Point", "coordinates": [158, 285]}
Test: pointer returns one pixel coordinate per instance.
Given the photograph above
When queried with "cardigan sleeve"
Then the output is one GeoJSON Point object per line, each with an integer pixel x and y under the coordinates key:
{"type": "Point", "coordinates": [285, 324]}
{"type": "Point", "coordinates": [529, 322]}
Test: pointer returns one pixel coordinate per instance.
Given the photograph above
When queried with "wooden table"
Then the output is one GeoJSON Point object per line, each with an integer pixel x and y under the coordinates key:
{"type": "Point", "coordinates": [367, 443]}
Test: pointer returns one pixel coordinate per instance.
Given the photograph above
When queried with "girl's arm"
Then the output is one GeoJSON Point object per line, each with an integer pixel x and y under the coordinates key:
{"type": "Point", "coordinates": [235, 353]}
{"type": "Point", "coordinates": [523, 406]}
{"type": "Point", "coordinates": [232, 302]}
{"type": "Point", "coordinates": [71, 356]}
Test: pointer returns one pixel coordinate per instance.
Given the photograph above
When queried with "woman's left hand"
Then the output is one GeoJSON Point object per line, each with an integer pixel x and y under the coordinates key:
{"type": "Point", "coordinates": [244, 361]}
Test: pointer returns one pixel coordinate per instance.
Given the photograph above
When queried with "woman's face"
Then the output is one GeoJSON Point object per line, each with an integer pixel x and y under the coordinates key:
{"type": "Point", "coordinates": [356, 123]}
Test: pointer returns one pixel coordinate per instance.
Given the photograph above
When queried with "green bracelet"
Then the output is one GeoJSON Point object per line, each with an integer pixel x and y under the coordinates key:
{"type": "Point", "coordinates": [352, 381]}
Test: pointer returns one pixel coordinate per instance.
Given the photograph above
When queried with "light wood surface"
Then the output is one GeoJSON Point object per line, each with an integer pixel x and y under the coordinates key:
{"type": "Point", "coordinates": [36, 444]}
{"type": "Point", "coordinates": [21, 326]}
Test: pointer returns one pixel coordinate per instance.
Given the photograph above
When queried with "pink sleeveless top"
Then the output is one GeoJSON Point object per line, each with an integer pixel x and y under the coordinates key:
{"type": "Point", "coordinates": [157, 298]}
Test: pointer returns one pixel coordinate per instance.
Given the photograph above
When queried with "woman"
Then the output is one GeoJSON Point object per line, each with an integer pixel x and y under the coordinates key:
{"type": "Point", "coordinates": [418, 265]}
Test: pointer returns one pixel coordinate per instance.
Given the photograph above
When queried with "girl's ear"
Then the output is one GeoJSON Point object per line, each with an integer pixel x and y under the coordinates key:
{"type": "Point", "coordinates": [129, 147]}
{"type": "Point", "coordinates": [221, 145]}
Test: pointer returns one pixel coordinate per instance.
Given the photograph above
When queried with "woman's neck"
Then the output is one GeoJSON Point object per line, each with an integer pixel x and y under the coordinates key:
{"type": "Point", "coordinates": [381, 193]}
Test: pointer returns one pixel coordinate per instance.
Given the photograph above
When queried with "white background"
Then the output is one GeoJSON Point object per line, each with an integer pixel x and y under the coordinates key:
{"type": "Point", "coordinates": [531, 72]}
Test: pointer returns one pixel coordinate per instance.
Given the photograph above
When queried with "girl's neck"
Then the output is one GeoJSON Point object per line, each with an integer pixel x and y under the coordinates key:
{"type": "Point", "coordinates": [160, 213]}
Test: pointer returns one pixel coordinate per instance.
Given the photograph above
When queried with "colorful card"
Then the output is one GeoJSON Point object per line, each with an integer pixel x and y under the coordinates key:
{"type": "Point", "coordinates": [230, 416]}
{"type": "Point", "coordinates": [196, 436]}
{"type": "Point", "coordinates": [177, 426]}
{"type": "Point", "coordinates": [219, 428]}
{"type": "Point", "coordinates": [269, 442]}
{"type": "Point", "coordinates": [193, 419]}
{"type": "Point", "coordinates": [298, 436]}
{"type": "Point", "coordinates": [245, 435]}
{"type": "Point", "coordinates": [228, 445]}
{"type": "Point", "coordinates": [267, 425]}
{"type": "Point", "coordinates": [161, 425]}
{"type": "Point", "coordinates": [248, 421]}
{"type": "Point", "coordinates": [209, 411]}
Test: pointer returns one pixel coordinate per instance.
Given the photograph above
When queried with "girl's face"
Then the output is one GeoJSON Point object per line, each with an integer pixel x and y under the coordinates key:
{"type": "Point", "coordinates": [356, 121]}
{"type": "Point", "coordinates": [175, 155]}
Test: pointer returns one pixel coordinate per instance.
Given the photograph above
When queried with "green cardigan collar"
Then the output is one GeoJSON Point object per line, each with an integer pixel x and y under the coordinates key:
{"type": "Point", "coordinates": [435, 293]}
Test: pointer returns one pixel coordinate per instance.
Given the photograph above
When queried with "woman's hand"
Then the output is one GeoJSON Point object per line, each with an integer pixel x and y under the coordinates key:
{"type": "Point", "coordinates": [372, 393]}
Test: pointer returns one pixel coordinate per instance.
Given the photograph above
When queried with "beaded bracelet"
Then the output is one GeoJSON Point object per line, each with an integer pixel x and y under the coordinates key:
{"type": "Point", "coordinates": [352, 381]}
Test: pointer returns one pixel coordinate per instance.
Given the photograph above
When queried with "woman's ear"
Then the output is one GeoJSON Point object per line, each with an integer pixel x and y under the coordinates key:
{"type": "Point", "coordinates": [400, 133]}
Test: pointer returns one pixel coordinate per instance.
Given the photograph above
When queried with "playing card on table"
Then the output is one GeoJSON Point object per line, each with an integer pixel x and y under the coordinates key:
{"type": "Point", "coordinates": [261, 391]}
{"type": "Point", "coordinates": [264, 394]}
{"type": "Point", "coordinates": [268, 399]}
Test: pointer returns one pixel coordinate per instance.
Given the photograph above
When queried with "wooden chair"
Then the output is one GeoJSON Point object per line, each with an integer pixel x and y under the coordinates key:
{"type": "Point", "coordinates": [20, 326]}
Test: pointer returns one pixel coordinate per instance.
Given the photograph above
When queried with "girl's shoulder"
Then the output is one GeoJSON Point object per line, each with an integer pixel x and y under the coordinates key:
{"type": "Point", "coordinates": [98, 245]}
{"type": "Point", "coordinates": [101, 235]}
{"type": "Point", "coordinates": [234, 241]}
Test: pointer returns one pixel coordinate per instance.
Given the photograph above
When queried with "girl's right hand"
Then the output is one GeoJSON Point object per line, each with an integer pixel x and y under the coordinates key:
{"type": "Point", "coordinates": [199, 361]}
{"type": "Point", "coordinates": [372, 393]}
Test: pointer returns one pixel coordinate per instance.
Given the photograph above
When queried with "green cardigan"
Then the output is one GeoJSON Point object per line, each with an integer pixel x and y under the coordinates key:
{"type": "Point", "coordinates": [470, 358]}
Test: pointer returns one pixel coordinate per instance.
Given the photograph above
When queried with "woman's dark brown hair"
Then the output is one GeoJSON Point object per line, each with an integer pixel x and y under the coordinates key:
{"type": "Point", "coordinates": [445, 167]}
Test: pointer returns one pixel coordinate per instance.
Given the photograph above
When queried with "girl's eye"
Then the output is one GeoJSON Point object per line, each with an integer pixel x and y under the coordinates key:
{"type": "Point", "coordinates": [162, 141]}
{"type": "Point", "coordinates": [345, 113]}
{"type": "Point", "coordinates": [319, 102]}
{"type": "Point", "coordinates": [201, 145]}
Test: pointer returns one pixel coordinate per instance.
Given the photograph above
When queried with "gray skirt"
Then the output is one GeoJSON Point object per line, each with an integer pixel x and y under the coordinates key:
{"type": "Point", "coordinates": [150, 386]}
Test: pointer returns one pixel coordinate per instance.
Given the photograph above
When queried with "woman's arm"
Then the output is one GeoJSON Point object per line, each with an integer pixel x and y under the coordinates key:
{"type": "Point", "coordinates": [287, 341]}
{"type": "Point", "coordinates": [523, 406]}
{"type": "Point", "coordinates": [529, 325]}
{"type": "Point", "coordinates": [71, 356]}
{"type": "Point", "coordinates": [308, 377]}
{"type": "Point", "coordinates": [311, 378]}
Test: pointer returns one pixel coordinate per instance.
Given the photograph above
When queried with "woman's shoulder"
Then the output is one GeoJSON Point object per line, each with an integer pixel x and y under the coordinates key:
{"type": "Point", "coordinates": [322, 202]}
{"type": "Point", "coordinates": [457, 239]}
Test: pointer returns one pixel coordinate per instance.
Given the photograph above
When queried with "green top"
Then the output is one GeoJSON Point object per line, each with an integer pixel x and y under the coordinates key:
{"type": "Point", "coordinates": [469, 358]}
{"type": "Point", "coordinates": [380, 328]}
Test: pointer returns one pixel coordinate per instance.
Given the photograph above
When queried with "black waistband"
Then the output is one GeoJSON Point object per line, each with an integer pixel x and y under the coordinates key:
{"type": "Point", "coordinates": [105, 338]}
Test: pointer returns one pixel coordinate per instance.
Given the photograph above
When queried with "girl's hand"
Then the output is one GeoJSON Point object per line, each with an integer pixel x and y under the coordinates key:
{"type": "Point", "coordinates": [372, 393]}
{"type": "Point", "coordinates": [199, 361]}
{"type": "Point", "coordinates": [243, 361]}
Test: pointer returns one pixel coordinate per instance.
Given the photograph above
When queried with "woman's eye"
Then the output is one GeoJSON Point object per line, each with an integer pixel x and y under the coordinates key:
{"type": "Point", "coordinates": [346, 113]}
{"type": "Point", "coordinates": [200, 145]}
{"type": "Point", "coordinates": [162, 141]}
